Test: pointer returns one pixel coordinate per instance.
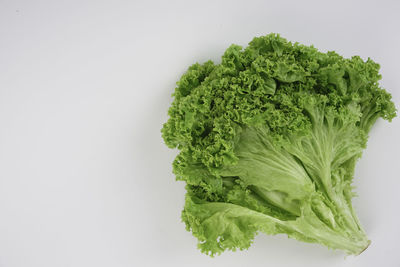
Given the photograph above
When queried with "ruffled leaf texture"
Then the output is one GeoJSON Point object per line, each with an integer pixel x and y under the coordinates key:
{"type": "Point", "coordinates": [268, 142]}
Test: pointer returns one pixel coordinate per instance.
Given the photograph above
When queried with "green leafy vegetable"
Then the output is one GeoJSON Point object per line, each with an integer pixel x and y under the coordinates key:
{"type": "Point", "coordinates": [268, 143]}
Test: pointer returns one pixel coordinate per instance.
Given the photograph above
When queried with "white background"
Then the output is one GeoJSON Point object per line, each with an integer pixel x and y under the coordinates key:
{"type": "Point", "coordinates": [85, 179]}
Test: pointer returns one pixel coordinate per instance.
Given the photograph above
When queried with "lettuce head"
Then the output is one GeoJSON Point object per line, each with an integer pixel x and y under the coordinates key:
{"type": "Point", "coordinates": [268, 140]}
